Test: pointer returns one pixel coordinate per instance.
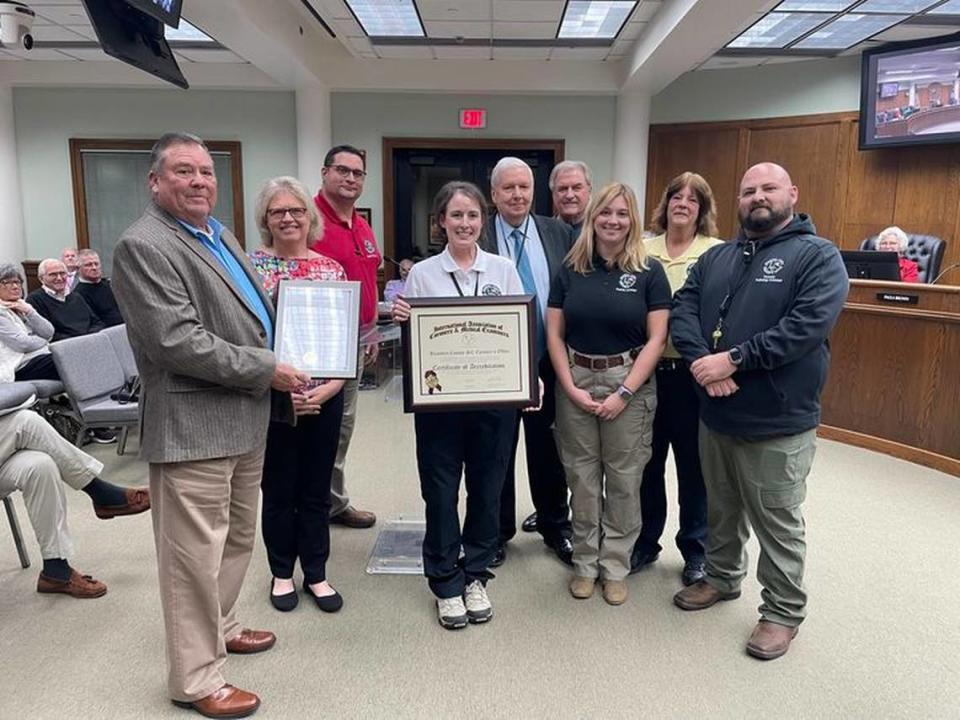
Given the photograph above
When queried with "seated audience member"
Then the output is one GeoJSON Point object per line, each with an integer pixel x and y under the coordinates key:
{"type": "Point", "coordinates": [298, 464]}
{"type": "Point", "coordinates": [69, 313]}
{"type": "Point", "coordinates": [893, 239]}
{"type": "Point", "coordinates": [24, 333]}
{"type": "Point", "coordinates": [70, 260]}
{"type": "Point", "coordinates": [36, 460]}
{"type": "Point", "coordinates": [393, 288]}
{"type": "Point", "coordinates": [96, 290]}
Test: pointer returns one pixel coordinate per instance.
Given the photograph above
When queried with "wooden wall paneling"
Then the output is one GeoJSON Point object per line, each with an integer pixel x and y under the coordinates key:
{"type": "Point", "coordinates": [810, 154]}
{"type": "Point", "coordinates": [869, 202]}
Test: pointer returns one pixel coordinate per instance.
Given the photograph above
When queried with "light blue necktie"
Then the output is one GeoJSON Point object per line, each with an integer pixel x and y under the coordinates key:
{"type": "Point", "coordinates": [525, 271]}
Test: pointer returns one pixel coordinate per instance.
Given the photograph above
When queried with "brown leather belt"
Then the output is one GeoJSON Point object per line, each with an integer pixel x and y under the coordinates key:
{"type": "Point", "coordinates": [603, 362]}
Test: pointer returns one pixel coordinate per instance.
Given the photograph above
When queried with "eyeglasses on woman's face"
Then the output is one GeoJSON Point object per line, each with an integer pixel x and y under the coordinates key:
{"type": "Point", "coordinates": [297, 213]}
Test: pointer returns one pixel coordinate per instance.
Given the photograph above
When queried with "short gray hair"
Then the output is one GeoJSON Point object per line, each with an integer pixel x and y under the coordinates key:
{"type": "Point", "coordinates": [508, 163]}
{"type": "Point", "coordinates": [286, 183]}
{"type": "Point", "coordinates": [168, 140]}
{"type": "Point", "coordinates": [900, 235]}
{"type": "Point", "coordinates": [46, 263]}
{"type": "Point", "coordinates": [567, 165]}
{"type": "Point", "coordinates": [9, 271]}
{"type": "Point", "coordinates": [87, 252]}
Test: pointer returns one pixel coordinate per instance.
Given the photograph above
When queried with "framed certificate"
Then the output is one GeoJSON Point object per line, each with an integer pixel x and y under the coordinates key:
{"type": "Point", "coordinates": [470, 353]}
{"type": "Point", "coordinates": [317, 327]}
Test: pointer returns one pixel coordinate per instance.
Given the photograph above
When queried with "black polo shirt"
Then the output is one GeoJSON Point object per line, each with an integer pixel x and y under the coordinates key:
{"type": "Point", "coordinates": [605, 310]}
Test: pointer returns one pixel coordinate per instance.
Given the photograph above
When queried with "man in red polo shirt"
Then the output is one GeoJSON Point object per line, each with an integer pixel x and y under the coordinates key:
{"type": "Point", "coordinates": [348, 239]}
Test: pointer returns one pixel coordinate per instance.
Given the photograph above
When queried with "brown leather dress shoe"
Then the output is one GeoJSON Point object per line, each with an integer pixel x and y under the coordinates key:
{"type": "Point", "coordinates": [137, 501]}
{"type": "Point", "coordinates": [353, 518]}
{"type": "Point", "coordinates": [227, 702]}
{"type": "Point", "coordinates": [251, 641]}
{"type": "Point", "coordinates": [700, 596]}
{"type": "Point", "coordinates": [770, 640]}
{"type": "Point", "coordinates": [79, 586]}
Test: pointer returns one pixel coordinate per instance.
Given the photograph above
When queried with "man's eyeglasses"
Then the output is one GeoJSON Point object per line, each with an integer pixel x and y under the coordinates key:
{"type": "Point", "coordinates": [297, 213]}
{"type": "Point", "coordinates": [56, 274]}
{"type": "Point", "coordinates": [345, 171]}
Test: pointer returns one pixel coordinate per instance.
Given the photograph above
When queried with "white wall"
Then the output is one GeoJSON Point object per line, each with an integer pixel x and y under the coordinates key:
{"type": "Point", "coordinates": [807, 87]}
{"type": "Point", "coordinates": [586, 123]}
{"type": "Point", "coordinates": [264, 122]}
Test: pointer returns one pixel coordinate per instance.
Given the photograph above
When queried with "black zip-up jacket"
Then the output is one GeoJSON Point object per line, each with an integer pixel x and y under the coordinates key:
{"type": "Point", "coordinates": [787, 292]}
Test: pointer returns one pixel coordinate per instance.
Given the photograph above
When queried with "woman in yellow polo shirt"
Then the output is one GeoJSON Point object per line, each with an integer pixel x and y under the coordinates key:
{"type": "Point", "coordinates": [685, 220]}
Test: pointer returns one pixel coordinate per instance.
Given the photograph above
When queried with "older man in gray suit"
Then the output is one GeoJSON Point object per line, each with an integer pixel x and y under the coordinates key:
{"type": "Point", "coordinates": [201, 330]}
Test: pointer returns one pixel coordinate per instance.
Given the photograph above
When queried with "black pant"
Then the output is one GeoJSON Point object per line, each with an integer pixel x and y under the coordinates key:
{"type": "Point", "coordinates": [548, 483]}
{"type": "Point", "coordinates": [675, 423]}
{"type": "Point", "coordinates": [39, 368]}
{"type": "Point", "coordinates": [296, 491]}
{"type": "Point", "coordinates": [474, 444]}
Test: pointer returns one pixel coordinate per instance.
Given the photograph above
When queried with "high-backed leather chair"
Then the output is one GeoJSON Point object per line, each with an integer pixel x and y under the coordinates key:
{"type": "Point", "coordinates": [925, 250]}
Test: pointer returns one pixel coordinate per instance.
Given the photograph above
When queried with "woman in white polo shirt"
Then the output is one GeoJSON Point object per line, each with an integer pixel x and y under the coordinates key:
{"type": "Point", "coordinates": [472, 443]}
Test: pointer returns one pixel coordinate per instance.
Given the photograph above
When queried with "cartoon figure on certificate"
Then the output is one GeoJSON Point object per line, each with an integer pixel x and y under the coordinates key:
{"type": "Point", "coordinates": [433, 383]}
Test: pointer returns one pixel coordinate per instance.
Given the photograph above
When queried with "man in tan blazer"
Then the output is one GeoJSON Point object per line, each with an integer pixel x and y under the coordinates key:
{"type": "Point", "coordinates": [201, 330]}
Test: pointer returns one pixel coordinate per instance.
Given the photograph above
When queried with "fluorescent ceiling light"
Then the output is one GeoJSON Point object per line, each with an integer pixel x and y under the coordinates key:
{"type": "Point", "coordinates": [848, 30]}
{"type": "Point", "coordinates": [186, 33]}
{"type": "Point", "coordinates": [387, 18]}
{"type": "Point", "coordinates": [776, 29]}
{"type": "Point", "coordinates": [813, 5]}
{"type": "Point", "coordinates": [951, 7]}
{"type": "Point", "coordinates": [595, 18]}
{"type": "Point", "coordinates": [894, 6]}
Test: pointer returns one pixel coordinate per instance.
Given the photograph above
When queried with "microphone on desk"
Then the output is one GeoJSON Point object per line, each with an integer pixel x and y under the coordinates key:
{"type": "Point", "coordinates": [948, 269]}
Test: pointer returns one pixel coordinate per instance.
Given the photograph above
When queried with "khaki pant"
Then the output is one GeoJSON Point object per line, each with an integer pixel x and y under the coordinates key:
{"type": "Point", "coordinates": [339, 499]}
{"type": "Point", "coordinates": [762, 481]}
{"type": "Point", "coordinates": [204, 525]}
{"type": "Point", "coordinates": [35, 460]}
{"type": "Point", "coordinates": [604, 463]}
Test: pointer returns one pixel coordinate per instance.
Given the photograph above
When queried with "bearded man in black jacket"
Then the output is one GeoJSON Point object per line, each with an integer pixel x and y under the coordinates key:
{"type": "Point", "coordinates": [753, 320]}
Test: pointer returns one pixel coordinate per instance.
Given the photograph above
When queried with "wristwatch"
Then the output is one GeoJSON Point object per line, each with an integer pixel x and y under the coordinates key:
{"type": "Point", "coordinates": [625, 393]}
{"type": "Point", "coordinates": [736, 356]}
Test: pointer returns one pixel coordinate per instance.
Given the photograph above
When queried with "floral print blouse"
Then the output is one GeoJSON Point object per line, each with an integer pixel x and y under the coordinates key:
{"type": "Point", "coordinates": [272, 269]}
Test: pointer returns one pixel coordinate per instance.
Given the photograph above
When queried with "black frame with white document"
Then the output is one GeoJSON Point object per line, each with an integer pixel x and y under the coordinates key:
{"type": "Point", "coordinates": [318, 326]}
{"type": "Point", "coordinates": [482, 348]}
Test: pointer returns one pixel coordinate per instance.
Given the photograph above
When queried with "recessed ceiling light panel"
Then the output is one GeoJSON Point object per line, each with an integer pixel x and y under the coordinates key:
{"type": "Point", "coordinates": [595, 19]}
{"type": "Point", "coordinates": [777, 29]}
{"type": "Point", "coordinates": [894, 6]}
{"type": "Point", "coordinates": [186, 33]}
{"type": "Point", "coordinates": [951, 7]}
{"type": "Point", "coordinates": [387, 18]}
{"type": "Point", "coordinates": [848, 30]}
{"type": "Point", "coordinates": [813, 5]}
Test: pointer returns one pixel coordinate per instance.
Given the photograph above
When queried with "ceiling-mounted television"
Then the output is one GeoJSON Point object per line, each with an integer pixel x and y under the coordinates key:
{"type": "Point", "coordinates": [135, 37]}
{"type": "Point", "coordinates": [166, 11]}
{"type": "Point", "coordinates": [910, 93]}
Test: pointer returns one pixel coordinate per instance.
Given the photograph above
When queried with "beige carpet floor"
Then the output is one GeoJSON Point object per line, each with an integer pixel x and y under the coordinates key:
{"type": "Point", "coordinates": [881, 640]}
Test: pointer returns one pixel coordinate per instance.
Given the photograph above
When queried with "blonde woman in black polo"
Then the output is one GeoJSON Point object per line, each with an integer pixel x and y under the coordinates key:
{"type": "Point", "coordinates": [606, 328]}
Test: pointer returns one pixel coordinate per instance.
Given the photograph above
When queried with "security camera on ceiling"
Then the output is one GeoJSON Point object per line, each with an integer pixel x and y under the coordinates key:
{"type": "Point", "coordinates": [16, 21]}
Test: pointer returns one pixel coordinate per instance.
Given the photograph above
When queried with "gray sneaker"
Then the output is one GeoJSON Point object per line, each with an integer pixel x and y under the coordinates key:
{"type": "Point", "coordinates": [479, 609]}
{"type": "Point", "coordinates": [452, 613]}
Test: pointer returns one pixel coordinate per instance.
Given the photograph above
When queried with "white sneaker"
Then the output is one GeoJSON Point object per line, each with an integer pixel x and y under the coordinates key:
{"type": "Point", "coordinates": [451, 613]}
{"type": "Point", "coordinates": [479, 609]}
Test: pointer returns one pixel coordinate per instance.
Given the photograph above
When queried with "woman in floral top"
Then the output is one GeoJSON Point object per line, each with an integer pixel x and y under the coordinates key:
{"type": "Point", "coordinates": [299, 458]}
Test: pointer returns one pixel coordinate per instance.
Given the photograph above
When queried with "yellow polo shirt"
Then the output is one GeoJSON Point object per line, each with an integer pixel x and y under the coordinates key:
{"type": "Point", "coordinates": [678, 267]}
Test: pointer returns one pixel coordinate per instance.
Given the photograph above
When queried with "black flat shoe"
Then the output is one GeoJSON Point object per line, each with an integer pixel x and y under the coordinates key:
{"type": "Point", "coordinates": [530, 523]}
{"type": "Point", "coordinates": [499, 557]}
{"type": "Point", "coordinates": [563, 549]}
{"type": "Point", "coordinates": [327, 603]}
{"type": "Point", "coordinates": [286, 602]}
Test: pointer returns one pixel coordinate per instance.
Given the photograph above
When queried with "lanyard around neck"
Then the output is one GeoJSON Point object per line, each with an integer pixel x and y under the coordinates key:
{"type": "Point", "coordinates": [476, 287]}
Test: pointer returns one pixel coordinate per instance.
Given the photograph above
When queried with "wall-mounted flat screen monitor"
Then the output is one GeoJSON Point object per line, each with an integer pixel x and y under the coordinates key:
{"type": "Point", "coordinates": [166, 11]}
{"type": "Point", "coordinates": [134, 37]}
{"type": "Point", "coordinates": [871, 264]}
{"type": "Point", "coordinates": [910, 93]}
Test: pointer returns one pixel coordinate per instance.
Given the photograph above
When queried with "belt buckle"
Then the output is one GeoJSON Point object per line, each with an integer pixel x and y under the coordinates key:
{"type": "Point", "coordinates": [598, 363]}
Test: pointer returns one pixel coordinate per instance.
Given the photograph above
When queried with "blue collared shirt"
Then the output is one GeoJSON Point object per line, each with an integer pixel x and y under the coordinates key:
{"type": "Point", "coordinates": [533, 247]}
{"type": "Point", "coordinates": [235, 271]}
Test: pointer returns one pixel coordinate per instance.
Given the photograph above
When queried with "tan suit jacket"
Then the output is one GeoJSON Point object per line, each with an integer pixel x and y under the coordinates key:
{"type": "Point", "coordinates": [200, 348]}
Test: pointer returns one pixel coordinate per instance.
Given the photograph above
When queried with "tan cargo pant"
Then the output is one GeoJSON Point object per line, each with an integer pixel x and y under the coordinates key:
{"type": "Point", "coordinates": [604, 461]}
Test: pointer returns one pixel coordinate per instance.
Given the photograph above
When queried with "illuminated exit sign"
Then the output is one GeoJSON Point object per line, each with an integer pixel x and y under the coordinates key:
{"type": "Point", "coordinates": [473, 118]}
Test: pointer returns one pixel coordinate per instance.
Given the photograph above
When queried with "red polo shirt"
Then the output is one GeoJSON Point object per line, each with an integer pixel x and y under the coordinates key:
{"type": "Point", "coordinates": [355, 248]}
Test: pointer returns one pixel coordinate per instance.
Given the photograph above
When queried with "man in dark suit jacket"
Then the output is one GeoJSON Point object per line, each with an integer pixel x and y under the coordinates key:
{"type": "Point", "coordinates": [201, 329]}
{"type": "Point", "coordinates": [537, 245]}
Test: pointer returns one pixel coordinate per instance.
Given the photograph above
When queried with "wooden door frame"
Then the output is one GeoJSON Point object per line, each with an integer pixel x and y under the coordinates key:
{"type": "Point", "coordinates": [558, 146]}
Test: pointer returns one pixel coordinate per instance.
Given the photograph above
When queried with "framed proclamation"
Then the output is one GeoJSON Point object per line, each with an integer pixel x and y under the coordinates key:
{"type": "Point", "coordinates": [470, 353]}
{"type": "Point", "coordinates": [317, 327]}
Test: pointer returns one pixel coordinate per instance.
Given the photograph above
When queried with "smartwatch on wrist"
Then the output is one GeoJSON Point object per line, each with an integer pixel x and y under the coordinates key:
{"type": "Point", "coordinates": [625, 393]}
{"type": "Point", "coordinates": [736, 356]}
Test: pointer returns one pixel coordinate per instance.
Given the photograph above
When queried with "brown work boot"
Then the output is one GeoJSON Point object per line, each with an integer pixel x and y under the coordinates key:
{"type": "Point", "coordinates": [770, 640]}
{"type": "Point", "coordinates": [700, 596]}
{"type": "Point", "coordinates": [251, 641]}
{"type": "Point", "coordinates": [352, 518]}
{"type": "Point", "coordinates": [582, 587]}
{"type": "Point", "coordinates": [79, 586]}
{"type": "Point", "coordinates": [227, 702]}
{"type": "Point", "coordinates": [615, 592]}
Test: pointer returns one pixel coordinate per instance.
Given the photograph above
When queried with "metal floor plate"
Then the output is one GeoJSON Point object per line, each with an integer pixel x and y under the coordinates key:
{"type": "Point", "coordinates": [398, 548]}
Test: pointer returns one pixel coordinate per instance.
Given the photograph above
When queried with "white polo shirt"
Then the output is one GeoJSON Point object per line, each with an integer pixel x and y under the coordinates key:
{"type": "Point", "coordinates": [440, 276]}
